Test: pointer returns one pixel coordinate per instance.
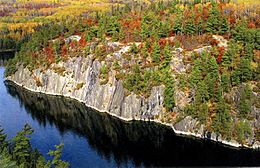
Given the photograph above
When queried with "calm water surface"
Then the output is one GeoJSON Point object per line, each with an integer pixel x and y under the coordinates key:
{"type": "Point", "coordinates": [94, 139]}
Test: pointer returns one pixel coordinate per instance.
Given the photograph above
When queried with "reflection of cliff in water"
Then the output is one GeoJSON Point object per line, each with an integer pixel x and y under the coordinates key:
{"type": "Point", "coordinates": [4, 56]}
{"type": "Point", "coordinates": [145, 143]}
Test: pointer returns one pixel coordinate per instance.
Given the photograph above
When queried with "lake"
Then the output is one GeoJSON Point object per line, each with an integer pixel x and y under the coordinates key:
{"type": "Point", "coordinates": [94, 139]}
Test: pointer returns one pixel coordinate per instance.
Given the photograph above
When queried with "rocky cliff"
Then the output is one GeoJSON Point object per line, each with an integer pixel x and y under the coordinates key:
{"type": "Point", "coordinates": [135, 140]}
{"type": "Point", "coordinates": [78, 78]}
{"type": "Point", "coordinates": [81, 81]}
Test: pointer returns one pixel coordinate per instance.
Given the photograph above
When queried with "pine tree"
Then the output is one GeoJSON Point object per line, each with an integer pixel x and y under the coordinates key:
{"type": "Point", "coordinates": [213, 23]}
{"type": "Point", "coordinates": [245, 102]}
{"type": "Point", "coordinates": [167, 56]}
{"type": "Point", "coordinates": [22, 147]}
{"type": "Point", "coordinates": [212, 77]}
{"type": "Point", "coordinates": [225, 82]}
{"type": "Point", "coordinates": [202, 94]}
{"type": "Point", "coordinates": [195, 76]}
{"type": "Point", "coordinates": [178, 28]}
{"type": "Point", "coordinates": [222, 121]}
{"type": "Point", "coordinates": [156, 53]}
{"type": "Point", "coordinates": [245, 70]}
{"type": "Point", "coordinates": [190, 27]}
{"type": "Point", "coordinates": [249, 51]}
{"type": "Point", "coordinates": [169, 101]}
{"type": "Point", "coordinates": [235, 77]}
{"type": "Point", "coordinates": [6, 160]}
{"type": "Point", "coordinates": [230, 55]}
{"type": "Point", "coordinates": [57, 162]}
{"type": "Point", "coordinates": [3, 142]}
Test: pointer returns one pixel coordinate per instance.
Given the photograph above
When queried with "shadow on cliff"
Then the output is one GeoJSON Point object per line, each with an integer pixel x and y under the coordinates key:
{"type": "Point", "coordinates": [145, 143]}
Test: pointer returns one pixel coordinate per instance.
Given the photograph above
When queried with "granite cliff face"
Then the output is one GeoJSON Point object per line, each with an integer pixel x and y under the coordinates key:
{"type": "Point", "coordinates": [81, 81]}
{"type": "Point", "coordinates": [78, 78]}
{"type": "Point", "coordinates": [137, 140]}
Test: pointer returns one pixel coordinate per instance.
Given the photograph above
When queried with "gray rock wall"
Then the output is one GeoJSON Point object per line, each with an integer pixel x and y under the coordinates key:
{"type": "Point", "coordinates": [109, 97]}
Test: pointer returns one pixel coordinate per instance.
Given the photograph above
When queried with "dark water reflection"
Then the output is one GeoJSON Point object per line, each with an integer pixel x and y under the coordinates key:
{"type": "Point", "coordinates": [125, 144]}
{"type": "Point", "coordinates": [4, 56]}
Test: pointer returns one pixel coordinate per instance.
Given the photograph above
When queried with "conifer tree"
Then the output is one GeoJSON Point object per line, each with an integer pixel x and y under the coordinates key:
{"type": "Point", "coordinates": [202, 94]}
{"type": "Point", "coordinates": [190, 27]}
{"type": "Point", "coordinates": [167, 56]}
{"type": "Point", "coordinates": [169, 101]}
{"type": "Point", "coordinates": [245, 70]}
{"type": "Point", "coordinates": [3, 142]}
{"type": "Point", "coordinates": [22, 147]}
{"type": "Point", "coordinates": [57, 153]}
{"type": "Point", "coordinates": [156, 53]}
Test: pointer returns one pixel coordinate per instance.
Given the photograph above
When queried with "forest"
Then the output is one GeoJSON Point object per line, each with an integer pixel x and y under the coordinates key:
{"type": "Point", "coordinates": [18, 152]}
{"type": "Point", "coordinates": [153, 30]}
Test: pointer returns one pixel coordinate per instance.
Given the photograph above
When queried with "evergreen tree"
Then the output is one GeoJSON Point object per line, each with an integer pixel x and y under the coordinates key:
{"type": "Point", "coordinates": [190, 26]}
{"type": "Point", "coordinates": [213, 23]}
{"type": "Point", "coordinates": [202, 110]}
{"type": "Point", "coordinates": [177, 27]}
{"type": "Point", "coordinates": [3, 142]}
{"type": "Point", "coordinates": [230, 54]}
{"type": "Point", "coordinates": [22, 147]}
{"type": "Point", "coordinates": [6, 160]}
{"type": "Point", "coordinates": [243, 130]}
{"type": "Point", "coordinates": [249, 54]}
{"type": "Point", "coordinates": [245, 102]}
{"type": "Point", "coordinates": [235, 77]}
{"type": "Point", "coordinates": [156, 53]}
{"type": "Point", "coordinates": [225, 82]}
{"type": "Point", "coordinates": [222, 121]}
{"type": "Point", "coordinates": [167, 56]}
{"type": "Point", "coordinates": [57, 162]}
{"type": "Point", "coordinates": [169, 101]}
{"type": "Point", "coordinates": [245, 70]}
{"type": "Point", "coordinates": [195, 76]}
{"type": "Point", "coordinates": [212, 78]}
{"type": "Point", "coordinates": [202, 94]}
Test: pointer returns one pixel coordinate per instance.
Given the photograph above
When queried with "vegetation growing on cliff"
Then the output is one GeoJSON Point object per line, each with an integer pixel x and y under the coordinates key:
{"type": "Point", "coordinates": [155, 34]}
{"type": "Point", "coordinates": [18, 152]}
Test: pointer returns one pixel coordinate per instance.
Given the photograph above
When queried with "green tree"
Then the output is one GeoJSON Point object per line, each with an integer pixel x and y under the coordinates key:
{"type": "Point", "coordinates": [3, 142]}
{"type": "Point", "coordinates": [22, 147]}
{"type": "Point", "coordinates": [156, 53]}
{"type": "Point", "coordinates": [178, 27]}
{"type": "Point", "coordinates": [213, 23]}
{"type": "Point", "coordinates": [195, 76]}
{"type": "Point", "coordinates": [245, 102]}
{"type": "Point", "coordinates": [245, 70]}
{"type": "Point", "coordinates": [235, 77]}
{"type": "Point", "coordinates": [6, 160]}
{"type": "Point", "coordinates": [202, 94]}
{"type": "Point", "coordinates": [225, 82]}
{"type": "Point", "coordinates": [167, 56]}
{"type": "Point", "coordinates": [243, 130]}
{"type": "Point", "coordinates": [169, 101]}
{"type": "Point", "coordinates": [230, 54]}
{"type": "Point", "coordinates": [57, 153]}
{"type": "Point", "coordinates": [222, 121]}
{"type": "Point", "coordinates": [190, 26]}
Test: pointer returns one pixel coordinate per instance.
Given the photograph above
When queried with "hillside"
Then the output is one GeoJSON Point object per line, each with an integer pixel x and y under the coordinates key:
{"type": "Point", "coordinates": [194, 67]}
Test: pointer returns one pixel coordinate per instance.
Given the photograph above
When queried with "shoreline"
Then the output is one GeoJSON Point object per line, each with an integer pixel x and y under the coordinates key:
{"type": "Point", "coordinates": [177, 132]}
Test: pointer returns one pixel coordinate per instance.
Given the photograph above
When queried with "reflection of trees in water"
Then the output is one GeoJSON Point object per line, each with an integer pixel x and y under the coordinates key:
{"type": "Point", "coordinates": [4, 56]}
{"type": "Point", "coordinates": [145, 143]}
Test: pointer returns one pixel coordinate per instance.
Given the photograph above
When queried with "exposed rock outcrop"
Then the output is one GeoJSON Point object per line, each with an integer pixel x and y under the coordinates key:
{"type": "Point", "coordinates": [78, 78]}
{"type": "Point", "coordinates": [109, 97]}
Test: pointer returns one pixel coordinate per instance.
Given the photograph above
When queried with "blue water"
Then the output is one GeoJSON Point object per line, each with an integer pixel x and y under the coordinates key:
{"type": "Point", "coordinates": [93, 139]}
{"type": "Point", "coordinates": [77, 151]}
